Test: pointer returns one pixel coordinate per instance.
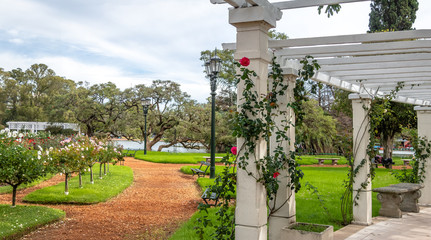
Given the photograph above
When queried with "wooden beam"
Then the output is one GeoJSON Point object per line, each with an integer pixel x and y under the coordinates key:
{"type": "Point", "coordinates": [358, 49]}
{"type": "Point", "coordinates": [310, 3]}
{"type": "Point", "coordinates": [356, 38]}
{"type": "Point", "coordinates": [374, 65]}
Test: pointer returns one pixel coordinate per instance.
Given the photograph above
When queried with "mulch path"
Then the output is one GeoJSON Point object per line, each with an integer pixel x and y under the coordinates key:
{"type": "Point", "coordinates": [158, 201]}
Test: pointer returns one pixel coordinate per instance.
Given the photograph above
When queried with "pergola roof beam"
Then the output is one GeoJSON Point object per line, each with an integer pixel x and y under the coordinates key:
{"type": "Point", "coordinates": [346, 39]}
{"type": "Point", "coordinates": [380, 71]}
{"type": "Point", "coordinates": [382, 65]}
{"type": "Point", "coordinates": [360, 49]}
{"type": "Point", "coordinates": [376, 59]}
{"type": "Point", "coordinates": [310, 3]}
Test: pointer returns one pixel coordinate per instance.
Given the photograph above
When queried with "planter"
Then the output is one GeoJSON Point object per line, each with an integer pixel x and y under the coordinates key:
{"type": "Point", "coordinates": [293, 234]}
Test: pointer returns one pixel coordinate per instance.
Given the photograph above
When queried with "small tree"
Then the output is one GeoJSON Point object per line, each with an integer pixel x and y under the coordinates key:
{"type": "Point", "coordinates": [18, 164]}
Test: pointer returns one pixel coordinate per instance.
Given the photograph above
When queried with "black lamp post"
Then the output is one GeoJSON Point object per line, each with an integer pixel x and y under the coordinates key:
{"type": "Point", "coordinates": [212, 68]}
{"type": "Point", "coordinates": [145, 104]}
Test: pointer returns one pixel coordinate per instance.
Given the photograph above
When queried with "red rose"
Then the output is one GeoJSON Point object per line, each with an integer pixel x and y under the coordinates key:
{"type": "Point", "coordinates": [244, 61]}
{"type": "Point", "coordinates": [233, 150]}
{"type": "Point", "coordinates": [276, 174]}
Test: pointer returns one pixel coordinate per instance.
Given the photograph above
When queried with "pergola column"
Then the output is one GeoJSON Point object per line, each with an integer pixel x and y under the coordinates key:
{"type": "Point", "coordinates": [252, 25]}
{"type": "Point", "coordinates": [285, 196]}
{"type": "Point", "coordinates": [424, 130]}
{"type": "Point", "coordinates": [362, 211]}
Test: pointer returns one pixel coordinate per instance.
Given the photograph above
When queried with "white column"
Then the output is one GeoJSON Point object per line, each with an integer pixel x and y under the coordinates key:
{"type": "Point", "coordinates": [424, 130]}
{"type": "Point", "coordinates": [252, 25]}
{"type": "Point", "coordinates": [285, 196]}
{"type": "Point", "coordinates": [362, 211]}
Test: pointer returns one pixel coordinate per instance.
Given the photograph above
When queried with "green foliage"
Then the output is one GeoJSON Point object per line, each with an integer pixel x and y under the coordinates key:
{"type": "Point", "coordinates": [392, 15]}
{"type": "Point", "coordinates": [16, 222]}
{"type": "Point", "coordinates": [318, 130]}
{"type": "Point", "coordinates": [118, 179]}
{"type": "Point", "coordinates": [330, 10]}
{"type": "Point", "coordinates": [422, 149]}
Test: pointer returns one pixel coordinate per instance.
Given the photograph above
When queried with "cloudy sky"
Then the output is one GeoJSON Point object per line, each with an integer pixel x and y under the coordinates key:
{"type": "Point", "coordinates": [131, 42]}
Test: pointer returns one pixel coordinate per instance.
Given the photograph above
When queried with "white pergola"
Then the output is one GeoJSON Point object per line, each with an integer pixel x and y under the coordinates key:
{"type": "Point", "coordinates": [367, 65]}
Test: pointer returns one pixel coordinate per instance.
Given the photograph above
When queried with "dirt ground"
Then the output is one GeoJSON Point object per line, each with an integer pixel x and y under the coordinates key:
{"type": "Point", "coordinates": [158, 201]}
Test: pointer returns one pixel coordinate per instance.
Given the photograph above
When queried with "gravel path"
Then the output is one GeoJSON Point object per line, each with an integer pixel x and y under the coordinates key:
{"type": "Point", "coordinates": [157, 202]}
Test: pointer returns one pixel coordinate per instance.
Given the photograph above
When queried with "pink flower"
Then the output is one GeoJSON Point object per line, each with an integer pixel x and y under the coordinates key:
{"type": "Point", "coordinates": [233, 150]}
{"type": "Point", "coordinates": [244, 61]}
{"type": "Point", "coordinates": [276, 174]}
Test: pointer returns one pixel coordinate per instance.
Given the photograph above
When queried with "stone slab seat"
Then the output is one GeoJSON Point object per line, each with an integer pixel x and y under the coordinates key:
{"type": "Point", "coordinates": [397, 198]}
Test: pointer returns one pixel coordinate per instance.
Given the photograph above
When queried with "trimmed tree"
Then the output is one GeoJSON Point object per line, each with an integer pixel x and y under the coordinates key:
{"type": "Point", "coordinates": [18, 164]}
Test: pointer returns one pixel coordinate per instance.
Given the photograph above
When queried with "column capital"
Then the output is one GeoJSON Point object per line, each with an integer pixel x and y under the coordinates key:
{"type": "Point", "coordinates": [423, 108]}
{"type": "Point", "coordinates": [357, 96]}
{"type": "Point", "coordinates": [240, 16]}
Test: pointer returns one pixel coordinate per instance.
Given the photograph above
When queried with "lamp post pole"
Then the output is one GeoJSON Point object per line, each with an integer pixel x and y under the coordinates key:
{"type": "Point", "coordinates": [213, 67]}
{"type": "Point", "coordinates": [145, 105]}
{"type": "Point", "coordinates": [213, 81]}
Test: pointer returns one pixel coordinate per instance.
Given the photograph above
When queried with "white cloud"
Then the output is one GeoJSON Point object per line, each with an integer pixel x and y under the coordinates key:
{"type": "Point", "coordinates": [133, 42]}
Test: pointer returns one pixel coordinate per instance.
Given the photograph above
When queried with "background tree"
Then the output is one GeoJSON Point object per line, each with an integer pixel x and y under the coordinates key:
{"type": "Point", "coordinates": [393, 15]}
{"type": "Point", "coordinates": [318, 130]}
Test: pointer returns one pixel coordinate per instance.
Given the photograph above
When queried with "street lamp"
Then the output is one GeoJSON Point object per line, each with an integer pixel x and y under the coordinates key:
{"type": "Point", "coordinates": [212, 68]}
{"type": "Point", "coordinates": [145, 104]}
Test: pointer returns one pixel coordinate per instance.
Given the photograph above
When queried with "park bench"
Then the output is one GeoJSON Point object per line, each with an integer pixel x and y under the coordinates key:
{"type": "Point", "coordinates": [200, 170]}
{"type": "Point", "coordinates": [210, 198]}
{"type": "Point", "coordinates": [208, 159]}
{"type": "Point", "coordinates": [131, 152]}
{"type": "Point", "coordinates": [406, 161]}
{"type": "Point", "coordinates": [334, 160]}
{"type": "Point", "coordinates": [398, 198]}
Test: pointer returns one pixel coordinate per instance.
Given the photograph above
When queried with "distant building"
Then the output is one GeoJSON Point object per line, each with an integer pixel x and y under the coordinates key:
{"type": "Point", "coordinates": [40, 126]}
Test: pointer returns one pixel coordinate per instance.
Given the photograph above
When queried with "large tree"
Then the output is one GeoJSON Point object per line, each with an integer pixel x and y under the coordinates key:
{"type": "Point", "coordinates": [393, 15]}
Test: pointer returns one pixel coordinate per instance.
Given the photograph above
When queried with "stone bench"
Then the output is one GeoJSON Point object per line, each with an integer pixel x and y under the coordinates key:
{"type": "Point", "coordinates": [398, 198]}
{"type": "Point", "coordinates": [321, 160]}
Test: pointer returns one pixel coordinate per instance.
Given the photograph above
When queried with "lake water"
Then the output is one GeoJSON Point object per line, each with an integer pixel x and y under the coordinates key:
{"type": "Point", "coordinates": [140, 145]}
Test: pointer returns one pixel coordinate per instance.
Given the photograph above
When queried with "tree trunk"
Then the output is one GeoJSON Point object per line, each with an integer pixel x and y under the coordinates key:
{"type": "Point", "coordinates": [108, 167]}
{"type": "Point", "coordinates": [100, 171]}
{"type": "Point", "coordinates": [80, 180]}
{"type": "Point", "coordinates": [14, 187]}
{"type": "Point", "coordinates": [91, 175]}
{"type": "Point", "coordinates": [66, 184]}
{"type": "Point", "coordinates": [388, 145]}
{"type": "Point", "coordinates": [104, 169]}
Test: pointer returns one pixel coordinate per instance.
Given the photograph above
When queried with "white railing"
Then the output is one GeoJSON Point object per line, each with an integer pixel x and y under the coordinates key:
{"type": "Point", "coordinates": [40, 126]}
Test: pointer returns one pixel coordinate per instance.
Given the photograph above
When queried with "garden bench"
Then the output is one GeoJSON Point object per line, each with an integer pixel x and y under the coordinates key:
{"type": "Point", "coordinates": [200, 170]}
{"type": "Point", "coordinates": [210, 198]}
{"type": "Point", "coordinates": [406, 161]}
{"type": "Point", "coordinates": [208, 159]}
{"type": "Point", "coordinates": [131, 152]}
{"type": "Point", "coordinates": [398, 198]}
{"type": "Point", "coordinates": [334, 160]}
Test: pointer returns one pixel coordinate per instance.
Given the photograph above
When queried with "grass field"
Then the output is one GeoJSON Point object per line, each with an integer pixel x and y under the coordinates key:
{"type": "Point", "coordinates": [17, 221]}
{"type": "Point", "coordinates": [193, 158]}
{"type": "Point", "coordinates": [329, 183]}
{"type": "Point", "coordinates": [166, 157]}
{"type": "Point", "coordinates": [118, 179]}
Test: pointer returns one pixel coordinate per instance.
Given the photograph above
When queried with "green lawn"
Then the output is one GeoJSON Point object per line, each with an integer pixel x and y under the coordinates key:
{"type": "Point", "coordinates": [328, 182]}
{"type": "Point", "coordinates": [118, 179]}
{"type": "Point", "coordinates": [193, 158]}
{"type": "Point", "coordinates": [167, 157]}
{"type": "Point", "coordinates": [17, 221]}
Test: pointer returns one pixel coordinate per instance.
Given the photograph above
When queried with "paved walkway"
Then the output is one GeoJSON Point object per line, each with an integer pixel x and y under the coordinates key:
{"type": "Point", "coordinates": [411, 226]}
